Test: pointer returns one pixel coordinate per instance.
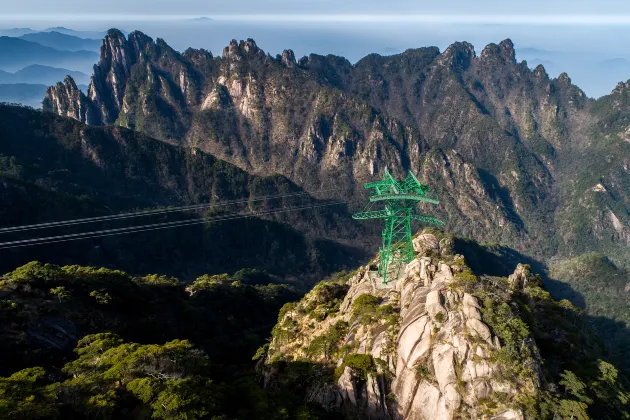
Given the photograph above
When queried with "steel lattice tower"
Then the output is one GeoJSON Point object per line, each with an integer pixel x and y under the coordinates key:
{"type": "Point", "coordinates": [401, 199]}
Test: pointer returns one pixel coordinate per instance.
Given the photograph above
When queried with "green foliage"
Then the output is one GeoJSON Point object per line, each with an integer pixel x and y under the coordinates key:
{"type": "Point", "coordinates": [209, 283]}
{"type": "Point", "coordinates": [25, 395]}
{"type": "Point", "coordinates": [421, 369]}
{"type": "Point", "coordinates": [592, 387]}
{"type": "Point", "coordinates": [109, 376]}
{"type": "Point", "coordinates": [362, 365]}
{"type": "Point", "coordinates": [101, 296]}
{"type": "Point", "coordinates": [574, 387]}
{"type": "Point", "coordinates": [439, 317]}
{"type": "Point", "coordinates": [158, 280]}
{"type": "Point", "coordinates": [33, 273]}
{"type": "Point", "coordinates": [600, 284]}
{"type": "Point", "coordinates": [513, 332]}
{"type": "Point", "coordinates": [364, 308]}
{"type": "Point", "coordinates": [327, 344]}
{"type": "Point", "coordinates": [60, 293]}
{"type": "Point", "coordinates": [168, 379]}
{"type": "Point", "coordinates": [262, 351]}
{"type": "Point", "coordinates": [464, 281]}
{"type": "Point", "coordinates": [289, 306]}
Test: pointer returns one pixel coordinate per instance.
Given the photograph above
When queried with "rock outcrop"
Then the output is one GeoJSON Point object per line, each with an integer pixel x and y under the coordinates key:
{"type": "Point", "coordinates": [67, 100]}
{"type": "Point", "coordinates": [420, 348]}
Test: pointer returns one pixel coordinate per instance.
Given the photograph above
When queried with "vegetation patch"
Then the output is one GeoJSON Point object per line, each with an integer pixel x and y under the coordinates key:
{"type": "Point", "coordinates": [362, 365]}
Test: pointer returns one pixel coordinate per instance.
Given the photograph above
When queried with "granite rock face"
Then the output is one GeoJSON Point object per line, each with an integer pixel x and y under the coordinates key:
{"type": "Point", "coordinates": [434, 358]}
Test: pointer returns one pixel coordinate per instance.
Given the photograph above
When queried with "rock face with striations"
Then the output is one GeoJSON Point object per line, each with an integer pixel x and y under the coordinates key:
{"type": "Point", "coordinates": [67, 100]}
{"type": "Point", "coordinates": [438, 343]}
{"type": "Point", "coordinates": [435, 356]}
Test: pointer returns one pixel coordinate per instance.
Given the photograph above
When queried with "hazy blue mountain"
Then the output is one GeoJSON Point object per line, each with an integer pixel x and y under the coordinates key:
{"type": "Point", "coordinates": [16, 31]}
{"type": "Point", "coordinates": [16, 53]}
{"type": "Point", "coordinates": [201, 19]}
{"type": "Point", "coordinates": [37, 73]}
{"type": "Point", "coordinates": [80, 34]}
{"type": "Point", "coordinates": [5, 76]}
{"type": "Point", "coordinates": [616, 63]}
{"type": "Point", "coordinates": [61, 41]}
{"type": "Point", "coordinates": [23, 93]}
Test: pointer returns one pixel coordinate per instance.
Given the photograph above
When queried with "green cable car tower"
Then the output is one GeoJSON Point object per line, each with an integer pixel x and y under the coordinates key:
{"type": "Point", "coordinates": [401, 199]}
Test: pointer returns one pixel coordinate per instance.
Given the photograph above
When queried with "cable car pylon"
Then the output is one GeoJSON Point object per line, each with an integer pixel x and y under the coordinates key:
{"type": "Point", "coordinates": [401, 199]}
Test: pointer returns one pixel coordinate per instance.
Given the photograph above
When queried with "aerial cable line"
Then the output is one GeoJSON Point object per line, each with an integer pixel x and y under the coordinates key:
{"type": "Point", "coordinates": [142, 213]}
{"type": "Point", "coordinates": [149, 227]}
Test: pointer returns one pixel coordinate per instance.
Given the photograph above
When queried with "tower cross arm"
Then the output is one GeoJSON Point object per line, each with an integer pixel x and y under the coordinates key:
{"type": "Point", "coordinates": [376, 214]}
{"type": "Point", "coordinates": [427, 219]}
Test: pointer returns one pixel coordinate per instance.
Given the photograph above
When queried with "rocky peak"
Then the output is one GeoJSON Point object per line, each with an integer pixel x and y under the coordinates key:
{"type": "Point", "coordinates": [540, 72]}
{"type": "Point", "coordinates": [458, 55]}
{"type": "Point", "coordinates": [288, 58]}
{"type": "Point", "coordinates": [521, 277]}
{"type": "Point", "coordinates": [140, 43]}
{"type": "Point", "coordinates": [507, 50]}
{"type": "Point", "coordinates": [70, 84]}
{"type": "Point", "coordinates": [621, 87]}
{"type": "Point", "coordinates": [67, 100]}
{"type": "Point", "coordinates": [235, 49]}
{"type": "Point", "coordinates": [504, 51]}
{"type": "Point", "coordinates": [198, 56]}
{"type": "Point", "coordinates": [564, 78]}
{"type": "Point", "coordinates": [108, 83]}
{"type": "Point", "coordinates": [249, 46]}
{"type": "Point", "coordinates": [114, 50]}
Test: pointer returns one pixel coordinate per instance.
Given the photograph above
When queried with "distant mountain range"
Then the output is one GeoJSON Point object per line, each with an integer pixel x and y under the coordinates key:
{"type": "Point", "coordinates": [15, 32]}
{"type": "Point", "coordinates": [16, 53]}
{"type": "Point", "coordinates": [23, 93]}
{"type": "Point", "coordinates": [61, 41]}
{"type": "Point", "coordinates": [37, 73]}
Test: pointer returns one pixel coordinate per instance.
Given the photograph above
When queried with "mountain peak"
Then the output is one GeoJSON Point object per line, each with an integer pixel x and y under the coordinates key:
{"type": "Point", "coordinates": [288, 58]}
{"type": "Point", "coordinates": [564, 77]}
{"type": "Point", "coordinates": [114, 33]}
{"type": "Point", "coordinates": [69, 82]}
{"type": "Point", "coordinates": [540, 71]}
{"type": "Point", "coordinates": [504, 51]}
{"type": "Point", "coordinates": [458, 54]}
{"type": "Point", "coordinates": [250, 45]}
{"type": "Point", "coordinates": [236, 49]}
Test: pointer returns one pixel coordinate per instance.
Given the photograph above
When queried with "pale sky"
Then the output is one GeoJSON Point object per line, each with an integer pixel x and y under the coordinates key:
{"type": "Point", "coordinates": [494, 11]}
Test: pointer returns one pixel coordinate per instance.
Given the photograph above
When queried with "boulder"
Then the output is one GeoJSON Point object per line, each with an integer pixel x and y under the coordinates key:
{"type": "Point", "coordinates": [434, 305]}
{"type": "Point", "coordinates": [444, 365]}
{"type": "Point", "coordinates": [479, 329]}
{"type": "Point", "coordinates": [426, 242]}
{"type": "Point", "coordinates": [518, 280]}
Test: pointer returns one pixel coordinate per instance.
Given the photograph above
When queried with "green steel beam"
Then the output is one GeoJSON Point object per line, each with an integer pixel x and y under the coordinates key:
{"type": "Point", "coordinates": [414, 197]}
{"type": "Point", "coordinates": [400, 200]}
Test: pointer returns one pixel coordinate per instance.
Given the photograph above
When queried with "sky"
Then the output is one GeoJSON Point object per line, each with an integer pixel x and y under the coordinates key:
{"type": "Point", "coordinates": [587, 39]}
{"type": "Point", "coordinates": [541, 8]}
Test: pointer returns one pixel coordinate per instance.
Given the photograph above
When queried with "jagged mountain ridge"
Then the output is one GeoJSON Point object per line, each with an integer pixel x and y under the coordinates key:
{"type": "Point", "coordinates": [320, 118]}
{"type": "Point", "coordinates": [249, 108]}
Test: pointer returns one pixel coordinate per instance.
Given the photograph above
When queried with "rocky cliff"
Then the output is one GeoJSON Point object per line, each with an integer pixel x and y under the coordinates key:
{"type": "Point", "coordinates": [523, 137]}
{"type": "Point", "coordinates": [439, 342]}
